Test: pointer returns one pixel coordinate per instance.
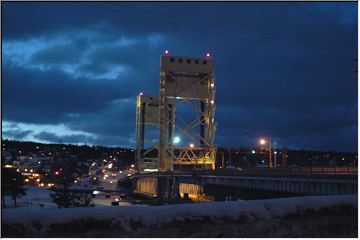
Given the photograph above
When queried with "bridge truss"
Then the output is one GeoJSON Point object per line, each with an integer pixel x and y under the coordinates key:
{"type": "Point", "coordinates": [185, 139]}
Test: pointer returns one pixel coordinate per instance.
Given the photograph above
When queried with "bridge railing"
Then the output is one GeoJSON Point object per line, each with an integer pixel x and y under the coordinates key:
{"type": "Point", "coordinates": [293, 170]}
{"type": "Point", "coordinates": [307, 170]}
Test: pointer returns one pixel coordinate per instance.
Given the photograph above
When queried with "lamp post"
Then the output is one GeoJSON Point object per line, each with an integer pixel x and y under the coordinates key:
{"type": "Point", "coordinates": [275, 153]}
{"type": "Point", "coordinates": [264, 142]}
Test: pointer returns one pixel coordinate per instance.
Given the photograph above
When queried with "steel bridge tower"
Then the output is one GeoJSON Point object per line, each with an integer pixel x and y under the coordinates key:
{"type": "Point", "coordinates": [147, 121]}
{"type": "Point", "coordinates": [189, 81]}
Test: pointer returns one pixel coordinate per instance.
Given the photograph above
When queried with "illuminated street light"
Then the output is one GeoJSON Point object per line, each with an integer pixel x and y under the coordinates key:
{"type": "Point", "coordinates": [253, 152]}
{"type": "Point", "coordinates": [176, 140]}
{"type": "Point", "coordinates": [191, 145]}
{"type": "Point", "coordinates": [268, 141]}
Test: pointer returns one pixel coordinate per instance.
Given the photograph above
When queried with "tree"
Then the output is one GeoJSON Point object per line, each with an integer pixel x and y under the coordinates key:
{"type": "Point", "coordinates": [64, 198]}
{"type": "Point", "coordinates": [61, 197]}
{"type": "Point", "coordinates": [12, 185]}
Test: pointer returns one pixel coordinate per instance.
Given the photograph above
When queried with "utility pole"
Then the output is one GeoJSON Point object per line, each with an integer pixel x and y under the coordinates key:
{"type": "Point", "coordinates": [284, 157]}
{"type": "Point", "coordinates": [264, 142]}
{"type": "Point", "coordinates": [230, 157]}
{"type": "Point", "coordinates": [270, 154]}
{"type": "Point", "coordinates": [222, 160]}
{"type": "Point", "coordinates": [275, 152]}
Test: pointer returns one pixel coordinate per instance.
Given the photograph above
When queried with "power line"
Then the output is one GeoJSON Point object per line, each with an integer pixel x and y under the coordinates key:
{"type": "Point", "coordinates": [236, 30]}
{"type": "Point", "coordinates": [325, 124]}
{"type": "Point", "coordinates": [151, 18]}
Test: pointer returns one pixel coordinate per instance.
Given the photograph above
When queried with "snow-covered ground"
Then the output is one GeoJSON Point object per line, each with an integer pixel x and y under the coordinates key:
{"type": "Point", "coordinates": [40, 197]}
{"type": "Point", "coordinates": [255, 212]}
{"type": "Point", "coordinates": [35, 196]}
{"type": "Point", "coordinates": [100, 200]}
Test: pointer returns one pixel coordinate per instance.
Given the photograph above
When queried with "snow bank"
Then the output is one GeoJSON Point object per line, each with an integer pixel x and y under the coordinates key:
{"type": "Point", "coordinates": [254, 209]}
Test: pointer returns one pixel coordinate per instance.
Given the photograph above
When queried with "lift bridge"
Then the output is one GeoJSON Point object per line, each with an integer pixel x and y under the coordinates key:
{"type": "Point", "coordinates": [176, 129]}
{"type": "Point", "coordinates": [175, 151]}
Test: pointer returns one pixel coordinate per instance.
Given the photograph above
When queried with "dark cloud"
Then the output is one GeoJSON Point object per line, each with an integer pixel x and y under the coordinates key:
{"type": "Point", "coordinates": [285, 70]}
{"type": "Point", "coordinates": [17, 133]}
{"type": "Point", "coordinates": [34, 96]}
{"type": "Point", "coordinates": [72, 138]}
{"type": "Point", "coordinates": [58, 54]}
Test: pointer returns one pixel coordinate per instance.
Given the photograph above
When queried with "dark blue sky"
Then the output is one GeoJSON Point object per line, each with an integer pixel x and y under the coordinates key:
{"type": "Point", "coordinates": [71, 71]}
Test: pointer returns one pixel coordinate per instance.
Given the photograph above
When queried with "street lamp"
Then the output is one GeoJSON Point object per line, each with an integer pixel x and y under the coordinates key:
{"type": "Point", "coordinates": [263, 142]}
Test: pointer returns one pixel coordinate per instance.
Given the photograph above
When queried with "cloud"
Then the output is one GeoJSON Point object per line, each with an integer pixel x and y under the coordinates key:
{"type": "Point", "coordinates": [73, 138]}
{"type": "Point", "coordinates": [58, 54]}
{"type": "Point", "coordinates": [281, 69]}
{"type": "Point", "coordinates": [16, 134]}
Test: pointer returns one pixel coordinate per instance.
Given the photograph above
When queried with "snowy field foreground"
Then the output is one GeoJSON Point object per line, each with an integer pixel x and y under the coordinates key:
{"type": "Point", "coordinates": [34, 198]}
{"type": "Point", "coordinates": [312, 216]}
